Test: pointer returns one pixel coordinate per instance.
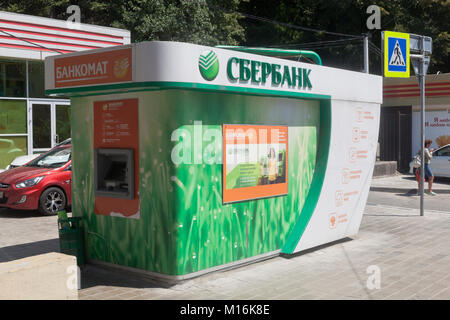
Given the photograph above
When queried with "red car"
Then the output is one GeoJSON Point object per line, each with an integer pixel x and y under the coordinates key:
{"type": "Point", "coordinates": [44, 183]}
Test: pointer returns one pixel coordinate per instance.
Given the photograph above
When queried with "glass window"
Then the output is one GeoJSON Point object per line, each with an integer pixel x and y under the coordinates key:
{"type": "Point", "coordinates": [62, 122]}
{"type": "Point", "coordinates": [13, 116]}
{"type": "Point", "coordinates": [12, 78]}
{"type": "Point", "coordinates": [10, 148]}
{"type": "Point", "coordinates": [36, 79]}
{"type": "Point", "coordinates": [42, 130]}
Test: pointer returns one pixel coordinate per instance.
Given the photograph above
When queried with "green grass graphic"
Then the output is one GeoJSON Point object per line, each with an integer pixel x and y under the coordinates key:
{"type": "Point", "coordinates": [183, 225]}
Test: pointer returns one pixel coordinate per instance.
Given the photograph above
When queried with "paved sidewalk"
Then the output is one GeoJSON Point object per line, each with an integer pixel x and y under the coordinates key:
{"type": "Point", "coordinates": [411, 253]}
{"type": "Point", "coordinates": [26, 233]}
{"type": "Point", "coordinates": [407, 183]}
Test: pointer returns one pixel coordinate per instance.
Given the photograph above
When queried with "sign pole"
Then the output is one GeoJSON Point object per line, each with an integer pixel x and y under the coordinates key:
{"type": "Point", "coordinates": [422, 112]}
{"type": "Point", "coordinates": [420, 62]}
{"type": "Point", "coordinates": [366, 53]}
{"type": "Point", "coordinates": [395, 67]}
{"type": "Point", "coordinates": [422, 136]}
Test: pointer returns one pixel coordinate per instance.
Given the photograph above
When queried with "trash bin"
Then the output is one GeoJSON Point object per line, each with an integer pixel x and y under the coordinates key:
{"type": "Point", "coordinates": [71, 238]}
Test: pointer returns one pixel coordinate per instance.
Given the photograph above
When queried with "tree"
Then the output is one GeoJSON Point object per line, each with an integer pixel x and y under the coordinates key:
{"type": "Point", "coordinates": [211, 22]}
{"type": "Point", "coordinates": [175, 20]}
{"type": "Point", "coordinates": [424, 17]}
{"type": "Point", "coordinates": [182, 20]}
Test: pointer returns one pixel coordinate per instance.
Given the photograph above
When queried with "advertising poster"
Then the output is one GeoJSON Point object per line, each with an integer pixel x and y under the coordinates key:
{"type": "Point", "coordinates": [437, 128]}
{"type": "Point", "coordinates": [255, 162]}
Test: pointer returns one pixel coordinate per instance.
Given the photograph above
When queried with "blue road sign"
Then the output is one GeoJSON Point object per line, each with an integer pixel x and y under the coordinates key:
{"type": "Point", "coordinates": [396, 51]}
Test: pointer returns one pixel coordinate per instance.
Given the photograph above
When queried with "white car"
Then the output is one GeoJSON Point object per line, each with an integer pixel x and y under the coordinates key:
{"type": "Point", "coordinates": [23, 160]}
{"type": "Point", "coordinates": [440, 163]}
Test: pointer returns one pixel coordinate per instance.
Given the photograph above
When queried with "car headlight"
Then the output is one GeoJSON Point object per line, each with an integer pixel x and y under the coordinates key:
{"type": "Point", "coordinates": [29, 182]}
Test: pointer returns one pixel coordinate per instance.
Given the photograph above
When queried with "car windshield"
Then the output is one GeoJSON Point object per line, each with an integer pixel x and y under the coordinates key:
{"type": "Point", "coordinates": [65, 142]}
{"type": "Point", "coordinates": [443, 152]}
{"type": "Point", "coordinates": [53, 159]}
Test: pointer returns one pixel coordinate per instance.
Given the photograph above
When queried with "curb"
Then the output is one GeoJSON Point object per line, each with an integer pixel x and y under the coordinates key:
{"type": "Point", "coordinates": [406, 190]}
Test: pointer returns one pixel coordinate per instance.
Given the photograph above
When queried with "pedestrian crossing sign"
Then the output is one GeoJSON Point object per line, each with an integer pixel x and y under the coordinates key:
{"type": "Point", "coordinates": [396, 54]}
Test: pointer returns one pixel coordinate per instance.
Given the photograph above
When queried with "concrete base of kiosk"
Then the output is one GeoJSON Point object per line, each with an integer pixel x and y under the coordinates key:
{"type": "Point", "coordinates": [173, 280]}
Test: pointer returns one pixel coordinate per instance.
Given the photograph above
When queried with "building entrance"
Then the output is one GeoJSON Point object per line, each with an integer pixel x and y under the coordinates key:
{"type": "Point", "coordinates": [49, 123]}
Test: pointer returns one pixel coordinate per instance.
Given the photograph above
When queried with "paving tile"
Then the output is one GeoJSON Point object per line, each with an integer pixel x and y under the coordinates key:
{"type": "Point", "coordinates": [411, 252]}
{"type": "Point", "coordinates": [442, 295]}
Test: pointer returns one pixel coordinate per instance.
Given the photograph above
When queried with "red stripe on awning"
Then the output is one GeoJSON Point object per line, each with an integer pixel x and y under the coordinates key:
{"type": "Point", "coordinates": [431, 84]}
{"type": "Point", "coordinates": [415, 90]}
{"type": "Point", "coordinates": [50, 42]}
{"type": "Point", "coordinates": [60, 36]}
{"type": "Point", "coordinates": [33, 25]}
{"type": "Point", "coordinates": [417, 95]}
{"type": "Point", "coordinates": [33, 48]}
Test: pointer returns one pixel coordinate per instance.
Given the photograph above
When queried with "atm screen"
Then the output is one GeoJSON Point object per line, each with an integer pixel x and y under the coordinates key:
{"type": "Point", "coordinates": [114, 173]}
{"type": "Point", "coordinates": [117, 171]}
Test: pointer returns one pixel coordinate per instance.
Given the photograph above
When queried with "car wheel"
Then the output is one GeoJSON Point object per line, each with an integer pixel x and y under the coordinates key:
{"type": "Point", "coordinates": [51, 201]}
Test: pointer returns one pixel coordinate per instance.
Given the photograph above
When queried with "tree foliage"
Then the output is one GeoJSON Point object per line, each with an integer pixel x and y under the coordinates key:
{"type": "Point", "coordinates": [176, 20]}
{"type": "Point", "coordinates": [423, 17]}
{"type": "Point", "coordinates": [212, 22]}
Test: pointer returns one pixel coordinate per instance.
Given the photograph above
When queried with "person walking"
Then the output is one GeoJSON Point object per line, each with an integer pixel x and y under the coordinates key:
{"type": "Point", "coordinates": [428, 153]}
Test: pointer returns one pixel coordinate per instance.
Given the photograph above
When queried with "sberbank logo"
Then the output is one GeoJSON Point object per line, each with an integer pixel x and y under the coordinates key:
{"type": "Point", "coordinates": [256, 72]}
{"type": "Point", "coordinates": [208, 65]}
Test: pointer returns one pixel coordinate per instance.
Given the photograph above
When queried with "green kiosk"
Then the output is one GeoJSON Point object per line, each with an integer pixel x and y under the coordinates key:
{"type": "Point", "coordinates": [188, 159]}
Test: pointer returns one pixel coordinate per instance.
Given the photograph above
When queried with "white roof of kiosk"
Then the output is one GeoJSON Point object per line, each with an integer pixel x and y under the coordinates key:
{"type": "Point", "coordinates": [189, 66]}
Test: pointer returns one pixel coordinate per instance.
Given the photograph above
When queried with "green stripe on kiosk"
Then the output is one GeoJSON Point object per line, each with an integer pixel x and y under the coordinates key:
{"type": "Point", "coordinates": [188, 159]}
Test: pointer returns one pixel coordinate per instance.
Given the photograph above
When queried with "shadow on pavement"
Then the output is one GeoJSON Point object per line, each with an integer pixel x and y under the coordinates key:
{"type": "Point", "coordinates": [323, 246]}
{"type": "Point", "coordinates": [442, 180]}
{"type": "Point", "coordinates": [392, 215]}
{"type": "Point", "coordinates": [92, 276]}
{"type": "Point", "coordinates": [18, 214]}
{"type": "Point", "coordinates": [21, 251]}
{"type": "Point", "coordinates": [410, 193]}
